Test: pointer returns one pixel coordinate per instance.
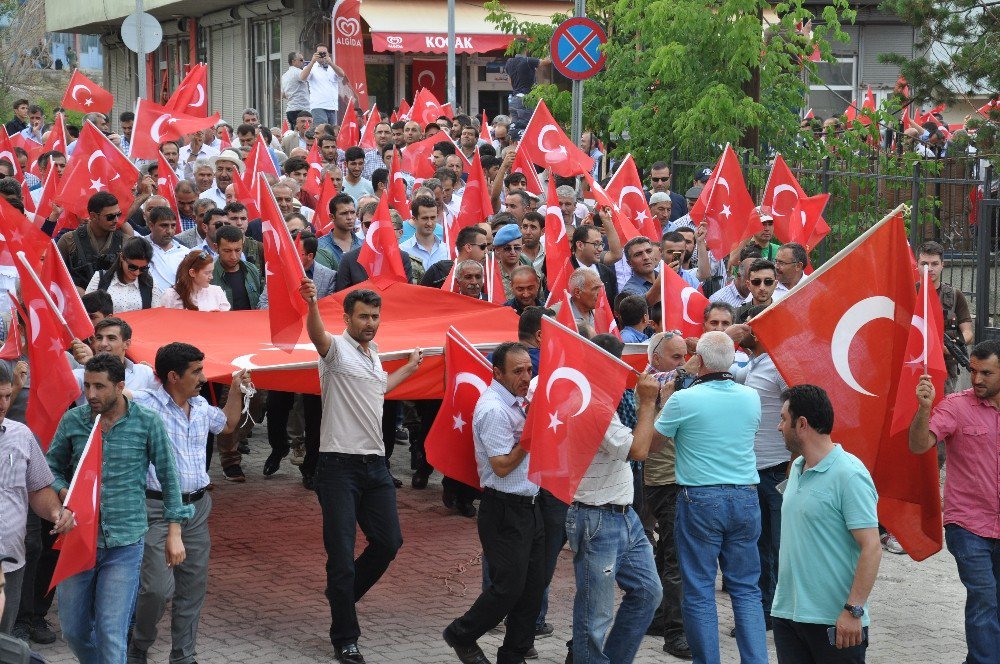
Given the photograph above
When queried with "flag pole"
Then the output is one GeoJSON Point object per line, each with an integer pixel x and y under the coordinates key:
{"type": "Point", "coordinates": [83, 455]}
{"type": "Point", "coordinates": [924, 288]}
{"type": "Point", "coordinates": [45, 293]}
{"type": "Point", "coordinates": [663, 303]}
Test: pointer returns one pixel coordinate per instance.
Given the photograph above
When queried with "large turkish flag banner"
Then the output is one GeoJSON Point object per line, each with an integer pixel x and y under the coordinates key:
{"type": "Point", "coordinates": [846, 330]}
{"type": "Point", "coordinates": [191, 96]}
{"type": "Point", "coordinates": [430, 75]}
{"type": "Point", "coordinates": [348, 47]}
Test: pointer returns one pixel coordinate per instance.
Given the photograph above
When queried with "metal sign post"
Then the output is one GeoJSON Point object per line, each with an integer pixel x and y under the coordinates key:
{"type": "Point", "coordinates": [576, 124]}
{"type": "Point", "coordinates": [451, 56]}
{"type": "Point", "coordinates": [142, 34]}
{"type": "Point", "coordinates": [577, 55]}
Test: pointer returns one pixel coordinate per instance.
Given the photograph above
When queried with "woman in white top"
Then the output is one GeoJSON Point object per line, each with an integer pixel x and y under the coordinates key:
{"type": "Point", "coordinates": [194, 289]}
{"type": "Point", "coordinates": [129, 283]}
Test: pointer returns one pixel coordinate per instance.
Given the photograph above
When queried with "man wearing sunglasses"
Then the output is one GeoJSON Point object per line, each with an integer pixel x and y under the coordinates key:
{"type": "Point", "coordinates": [96, 244]}
{"type": "Point", "coordinates": [659, 182]}
{"type": "Point", "coordinates": [762, 280]}
{"type": "Point", "coordinates": [323, 77]}
{"type": "Point", "coordinates": [507, 244]}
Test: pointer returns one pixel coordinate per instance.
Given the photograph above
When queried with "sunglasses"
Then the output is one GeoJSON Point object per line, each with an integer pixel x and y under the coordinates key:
{"type": "Point", "coordinates": [113, 216]}
{"type": "Point", "coordinates": [220, 224]}
{"type": "Point", "coordinates": [668, 334]}
{"type": "Point", "coordinates": [513, 248]}
{"type": "Point", "coordinates": [758, 281]}
{"type": "Point", "coordinates": [135, 268]}
{"type": "Point", "coordinates": [659, 179]}
{"type": "Point", "coordinates": [205, 256]}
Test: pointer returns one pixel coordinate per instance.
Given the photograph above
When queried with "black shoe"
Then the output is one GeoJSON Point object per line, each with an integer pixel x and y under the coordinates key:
{"type": "Point", "coordinates": [21, 630]}
{"type": "Point", "coordinates": [678, 648]}
{"type": "Point", "coordinates": [273, 461]}
{"type": "Point", "coordinates": [419, 480]}
{"type": "Point", "coordinates": [234, 474]}
{"type": "Point", "coordinates": [243, 448]}
{"type": "Point", "coordinates": [396, 482]}
{"type": "Point", "coordinates": [531, 653]}
{"type": "Point", "coordinates": [544, 630]}
{"type": "Point", "coordinates": [349, 654]}
{"type": "Point", "coordinates": [309, 482]}
{"type": "Point", "coordinates": [41, 631]}
{"type": "Point", "coordinates": [467, 654]}
{"type": "Point", "coordinates": [466, 509]}
{"type": "Point", "coordinates": [448, 498]}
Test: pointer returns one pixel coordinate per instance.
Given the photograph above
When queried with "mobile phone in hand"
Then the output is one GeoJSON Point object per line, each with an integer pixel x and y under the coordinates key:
{"type": "Point", "coordinates": [831, 634]}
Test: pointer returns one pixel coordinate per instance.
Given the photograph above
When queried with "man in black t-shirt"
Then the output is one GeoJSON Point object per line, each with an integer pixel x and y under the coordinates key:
{"type": "Point", "coordinates": [521, 71]}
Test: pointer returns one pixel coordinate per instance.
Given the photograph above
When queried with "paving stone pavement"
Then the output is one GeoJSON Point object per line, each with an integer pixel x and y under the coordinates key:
{"type": "Point", "coordinates": [266, 605]}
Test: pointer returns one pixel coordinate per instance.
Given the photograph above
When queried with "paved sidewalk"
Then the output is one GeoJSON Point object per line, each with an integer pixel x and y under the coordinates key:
{"type": "Point", "coordinates": [266, 605]}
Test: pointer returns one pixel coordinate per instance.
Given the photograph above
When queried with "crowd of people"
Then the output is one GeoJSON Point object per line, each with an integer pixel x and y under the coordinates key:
{"type": "Point", "coordinates": [674, 493]}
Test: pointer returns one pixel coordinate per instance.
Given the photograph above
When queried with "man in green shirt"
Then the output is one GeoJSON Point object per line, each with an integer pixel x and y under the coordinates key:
{"type": "Point", "coordinates": [95, 606]}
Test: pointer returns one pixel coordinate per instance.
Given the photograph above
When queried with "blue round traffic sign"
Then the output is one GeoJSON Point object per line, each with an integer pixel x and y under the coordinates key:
{"type": "Point", "coordinates": [576, 48]}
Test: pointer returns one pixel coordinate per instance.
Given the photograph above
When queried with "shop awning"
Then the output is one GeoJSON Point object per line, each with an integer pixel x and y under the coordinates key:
{"type": "Point", "coordinates": [414, 26]}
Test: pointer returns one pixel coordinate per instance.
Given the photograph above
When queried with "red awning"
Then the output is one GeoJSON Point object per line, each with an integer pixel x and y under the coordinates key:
{"type": "Point", "coordinates": [417, 42]}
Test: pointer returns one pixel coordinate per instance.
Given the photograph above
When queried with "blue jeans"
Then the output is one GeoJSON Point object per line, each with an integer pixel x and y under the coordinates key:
{"type": "Point", "coordinates": [323, 116]}
{"type": "Point", "coordinates": [718, 526]}
{"type": "Point", "coordinates": [978, 560]}
{"type": "Point", "coordinates": [95, 606]}
{"type": "Point", "coordinates": [610, 547]}
{"type": "Point", "coordinates": [770, 531]}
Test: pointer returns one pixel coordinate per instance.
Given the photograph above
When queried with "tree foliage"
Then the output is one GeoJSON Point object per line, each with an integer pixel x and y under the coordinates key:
{"type": "Point", "coordinates": [678, 71]}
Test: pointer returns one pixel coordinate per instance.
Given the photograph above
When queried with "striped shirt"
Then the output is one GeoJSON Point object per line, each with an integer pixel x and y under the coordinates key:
{"type": "Point", "coordinates": [187, 433]}
{"type": "Point", "coordinates": [729, 295]}
{"type": "Point", "coordinates": [353, 387]}
{"type": "Point", "coordinates": [497, 423]}
{"type": "Point", "coordinates": [22, 471]}
{"type": "Point", "coordinates": [609, 477]}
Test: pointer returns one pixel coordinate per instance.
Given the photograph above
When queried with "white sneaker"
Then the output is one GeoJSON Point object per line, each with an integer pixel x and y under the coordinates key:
{"type": "Point", "coordinates": [890, 545]}
{"type": "Point", "coordinates": [298, 455]}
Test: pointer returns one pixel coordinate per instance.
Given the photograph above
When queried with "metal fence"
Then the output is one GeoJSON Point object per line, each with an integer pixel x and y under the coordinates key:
{"type": "Point", "coordinates": [943, 195]}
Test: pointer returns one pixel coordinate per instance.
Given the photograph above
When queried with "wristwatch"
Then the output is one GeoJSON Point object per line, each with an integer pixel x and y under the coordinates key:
{"type": "Point", "coordinates": [856, 611]}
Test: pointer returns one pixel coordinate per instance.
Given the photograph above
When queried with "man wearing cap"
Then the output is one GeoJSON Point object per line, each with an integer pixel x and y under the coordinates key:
{"type": "Point", "coordinates": [659, 182]}
{"type": "Point", "coordinates": [768, 249]}
{"type": "Point", "coordinates": [662, 206]}
{"type": "Point", "coordinates": [227, 165]}
{"type": "Point", "coordinates": [507, 246]}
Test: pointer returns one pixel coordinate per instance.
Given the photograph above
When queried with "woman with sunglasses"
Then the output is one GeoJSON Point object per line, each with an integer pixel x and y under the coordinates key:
{"type": "Point", "coordinates": [129, 283]}
{"type": "Point", "coordinates": [193, 288]}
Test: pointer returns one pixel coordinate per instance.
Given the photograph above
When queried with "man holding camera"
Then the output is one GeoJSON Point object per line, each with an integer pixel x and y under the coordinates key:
{"type": "Point", "coordinates": [323, 77]}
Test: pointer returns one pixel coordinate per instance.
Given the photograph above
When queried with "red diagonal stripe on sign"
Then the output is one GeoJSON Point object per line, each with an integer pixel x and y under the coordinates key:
{"type": "Point", "coordinates": [579, 48]}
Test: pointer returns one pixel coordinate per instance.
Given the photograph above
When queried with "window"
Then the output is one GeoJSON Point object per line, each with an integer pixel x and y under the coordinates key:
{"type": "Point", "coordinates": [266, 46]}
{"type": "Point", "coordinates": [838, 88]}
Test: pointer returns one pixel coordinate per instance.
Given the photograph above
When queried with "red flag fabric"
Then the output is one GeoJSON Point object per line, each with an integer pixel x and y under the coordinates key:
{"type": "Point", "coordinates": [246, 191]}
{"type": "Point", "coordinates": [426, 107]}
{"type": "Point", "coordinates": [557, 152]}
{"type": "Point", "coordinates": [166, 184]}
{"type": "Point", "coordinates": [626, 229]}
{"type": "Point", "coordinates": [604, 317]}
{"type": "Point", "coordinates": [259, 161]}
{"type": "Point", "coordinates": [432, 75]}
{"type": "Point", "coordinates": [350, 131]}
{"type": "Point", "coordinates": [155, 124]}
{"type": "Point", "coordinates": [29, 145]}
{"type": "Point", "coordinates": [522, 164]}
{"type": "Point", "coordinates": [284, 126]}
{"type": "Point", "coordinates": [781, 196]}
{"type": "Point", "coordinates": [12, 349]}
{"type": "Point", "coordinates": [104, 168]}
{"type": "Point", "coordinates": [78, 547]}
{"type": "Point", "coordinates": [557, 284]}
{"type": "Point", "coordinates": [418, 158]}
{"type": "Point", "coordinates": [726, 205]}
{"type": "Point", "coordinates": [867, 105]}
{"type": "Point", "coordinates": [806, 216]}
{"type": "Point", "coordinates": [565, 313]}
{"type": "Point", "coordinates": [314, 178]}
{"type": "Point", "coordinates": [851, 114]}
{"type": "Point", "coordinates": [7, 154]}
{"type": "Point", "coordinates": [380, 255]}
{"type": "Point", "coordinates": [682, 306]}
{"type": "Point", "coordinates": [579, 387]}
{"type": "Point", "coordinates": [557, 249]}
{"type": "Point", "coordinates": [322, 221]}
{"type": "Point", "coordinates": [191, 96]}
{"type": "Point", "coordinates": [476, 206]}
{"type": "Point", "coordinates": [989, 107]}
{"type": "Point", "coordinates": [625, 187]}
{"type": "Point", "coordinates": [450, 448]}
{"type": "Point", "coordinates": [846, 330]}
{"type": "Point", "coordinates": [484, 129]}
{"type": "Point", "coordinates": [286, 309]}
{"type": "Point", "coordinates": [55, 141]}
{"type": "Point", "coordinates": [225, 140]}
{"type": "Point", "coordinates": [493, 282]}
{"type": "Point", "coordinates": [368, 138]}
{"type": "Point", "coordinates": [348, 47]}
{"type": "Point", "coordinates": [83, 95]}
{"type": "Point", "coordinates": [404, 108]}
{"type": "Point", "coordinates": [397, 187]}
{"type": "Point", "coordinates": [449, 281]}
{"type": "Point", "coordinates": [45, 202]}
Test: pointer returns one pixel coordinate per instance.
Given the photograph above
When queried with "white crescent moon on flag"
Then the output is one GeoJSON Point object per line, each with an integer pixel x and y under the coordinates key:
{"type": "Point", "coordinates": [154, 131]}
{"type": "Point", "coordinates": [370, 235]}
{"type": "Point", "coordinates": [575, 377]}
{"type": "Point", "coordinates": [466, 378]}
{"type": "Point", "coordinates": [859, 315]}
{"type": "Point", "coordinates": [918, 322]}
{"type": "Point", "coordinates": [685, 297]}
{"type": "Point", "coordinates": [72, 92]}
{"type": "Point", "coordinates": [724, 183]}
{"type": "Point", "coordinates": [94, 155]}
{"type": "Point", "coordinates": [33, 319]}
{"type": "Point", "coordinates": [201, 97]}
{"type": "Point", "coordinates": [541, 139]}
{"type": "Point", "coordinates": [630, 190]}
{"type": "Point", "coordinates": [777, 192]}
{"type": "Point", "coordinates": [420, 78]}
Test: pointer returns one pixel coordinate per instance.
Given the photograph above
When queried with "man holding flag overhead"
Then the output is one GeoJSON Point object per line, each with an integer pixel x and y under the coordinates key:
{"type": "Point", "coordinates": [96, 599]}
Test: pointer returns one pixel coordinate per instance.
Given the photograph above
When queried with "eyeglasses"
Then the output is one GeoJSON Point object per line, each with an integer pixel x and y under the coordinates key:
{"type": "Point", "coordinates": [668, 334]}
{"type": "Point", "coordinates": [482, 247]}
{"type": "Point", "coordinates": [113, 216]}
{"type": "Point", "coordinates": [136, 268]}
{"type": "Point", "coordinates": [513, 248]}
{"type": "Point", "coordinates": [783, 263]}
{"type": "Point", "coordinates": [596, 245]}
{"type": "Point", "coordinates": [220, 224]}
{"type": "Point", "coordinates": [659, 179]}
{"type": "Point", "coordinates": [758, 281]}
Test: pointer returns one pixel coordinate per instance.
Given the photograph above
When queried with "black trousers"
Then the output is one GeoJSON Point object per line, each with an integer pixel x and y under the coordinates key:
{"type": "Point", "coordinates": [807, 643]}
{"type": "Point", "coordinates": [662, 503]}
{"type": "Point", "coordinates": [40, 563]}
{"type": "Point", "coordinates": [279, 405]}
{"type": "Point", "coordinates": [512, 532]}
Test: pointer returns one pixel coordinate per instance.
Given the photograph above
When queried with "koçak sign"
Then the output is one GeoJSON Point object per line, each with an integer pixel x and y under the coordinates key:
{"type": "Point", "coordinates": [348, 48]}
{"type": "Point", "coordinates": [420, 42]}
{"type": "Point", "coordinates": [576, 48]}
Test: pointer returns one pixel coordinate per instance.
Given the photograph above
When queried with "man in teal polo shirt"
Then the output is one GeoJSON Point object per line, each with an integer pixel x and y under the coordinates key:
{"type": "Point", "coordinates": [713, 424]}
{"type": "Point", "coordinates": [830, 549]}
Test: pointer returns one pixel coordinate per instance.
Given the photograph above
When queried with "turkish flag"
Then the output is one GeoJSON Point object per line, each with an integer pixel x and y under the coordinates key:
{"type": "Point", "coordinates": [78, 547]}
{"type": "Point", "coordinates": [380, 255]}
{"type": "Point", "coordinates": [46, 200]}
{"type": "Point", "coordinates": [851, 114]}
{"type": "Point", "coordinates": [846, 330]}
{"type": "Point", "coordinates": [867, 105]}
{"type": "Point", "coordinates": [449, 281]}
{"type": "Point", "coordinates": [314, 178]}
{"type": "Point", "coordinates": [404, 108]}
{"type": "Point", "coordinates": [397, 187]}
{"type": "Point", "coordinates": [449, 112]}
{"type": "Point", "coordinates": [350, 131]}
{"type": "Point", "coordinates": [166, 185]}
{"type": "Point", "coordinates": [626, 229]}
{"type": "Point", "coordinates": [604, 317]}
{"type": "Point", "coordinates": [493, 282]}
{"type": "Point", "coordinates": [55, 141]}
{"type": "Point", "coordinates": [155, 124]}
{"type": "Point", "coordinates": [989, 107]}
{"type": "Point", "coordinates": [191, 96]}
{"type": "Point", "coordinates": [559, 283]}
{"type": "Point", "coordinates": [476, 206]}
{"type": "Point", "coordinates": [557, 249]}
{"type": "Point", "coordinates": [225, 140]}
{"type": "Point", "coordinates": [579, 388]}
{"type": "Point", "coordinates": [625, 187]}
{"type": "Point", "coordinates": [782, 194]}
{"type": "Point", "coordinates": [29, 145]}
{"type": "Point", "coordinates": [12, 348]}
{"type": "Point", "coordinates": [430, 75]}
{"type": "Point", "coordinates": [83, 95]}
{"type": "Point", "coordinates": [96, 165]}
{"type": "Point", "coordinates": [322, 221]}
{"type": "Point", "coordinates": [426, 107]}
{"type": "Point", "coordinates": [484, 129]}
{"type": "Point", "coordinates": [7, 154]}
{"type": "Point", "coordinates": [348, 47]}
{"type": "Point", "coordinates": [522, 164]}
{"type": "Point", "coordinates": [284, 126]}
{"type": "Point", "coordinates": [286, 310]}
{"type": "Point", "coordinates": [682, 306]}
{"type": "Point", "coordinates": [246, 191]}
{"type": "Point", "coordinates": [565, 313]}
{"type": "Point", "coordinates": [557, 151]}
{"type": "Point", "coordinates": [259, 161]}
{"type": "Point", "coordinates": [418, 158]}
{"type": "Point", "coordinates": [726, 205]}
{"type": "Point", "coordinates": [368, 138]}
{"type": "Point", "coordinates": [805, 219]}
{"type": "Point", "coordinates": [449, 445]}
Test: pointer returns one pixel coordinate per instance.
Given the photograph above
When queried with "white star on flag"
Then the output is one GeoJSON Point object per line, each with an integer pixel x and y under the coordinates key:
{"type": "Point", "coordinates": [641, 216]}
{"type": "Point", "coordinates": [726, 211]}
{"type": "Point", "coordinates": [88, 102]}
{"type": "Point", "coordinates": [554, 421]}
{"type": "Point", "coordinates": [97, 185]}
{"type": "Point", "coordinates": [459, 423]}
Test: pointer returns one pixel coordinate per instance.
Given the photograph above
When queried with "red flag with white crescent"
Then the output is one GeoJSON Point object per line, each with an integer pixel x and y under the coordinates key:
{"type": "Point", "coordinates": [682, 306]}
{"type": "Point", "coordinates": [322, 221]}
{"type": "Point", "coordinates": [286, 310]}
{"type": "Point", "coordinates": [368, 138]}
{"type": "Point", "coordinates": [348, 47]}
{"type": "Point", "coordinates": [56, 141]}
{"type": "Point", "coordinates": [350, 131]}
{"type": "Point", "coordinates": [397, 188]}
{"type": "Point", "coordinates": [547, 145]}
{"type": "Point", "coordinates": [380, 255]}
{"type": "Point", "coordinates": [96, 165]}
{"type": "Point", "coordinates": [314, 177]}
{"type": "Point", "coordinates": [625, 189]}
{"type": "Point", "coordinates": [726, 205]}
{"type": "Point", "coordinates": [191, 96]}
{"type": "Point", "coordinates": [83, 95]}
{"type": "Point", "coordinates": [155, 124]}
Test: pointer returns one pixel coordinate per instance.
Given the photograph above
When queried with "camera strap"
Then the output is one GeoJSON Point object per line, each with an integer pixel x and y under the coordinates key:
{"type": "Point", "coordinates": [708, 378]}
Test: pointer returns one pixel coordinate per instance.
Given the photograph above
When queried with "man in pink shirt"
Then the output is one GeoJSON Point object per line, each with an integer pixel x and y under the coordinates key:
{"type": "Point", "coordinates": [968, 422]}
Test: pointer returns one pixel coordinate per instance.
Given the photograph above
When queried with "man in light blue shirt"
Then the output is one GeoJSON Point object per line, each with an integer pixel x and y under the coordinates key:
{"type": "Point", "coordinates": [424, 244]}
{"type": "Point", "coordinates": [354, 184]}
{"type": "Point", "coordinates": [634, 315]}
{"type": "Point", "coordinates": [713, 423]}
{"type": "Point", "coordinates": [511, 525]}
{"type": "Point", "coordinates": [830, 549]}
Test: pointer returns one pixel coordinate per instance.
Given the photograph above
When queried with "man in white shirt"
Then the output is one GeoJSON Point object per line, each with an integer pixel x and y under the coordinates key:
{"type": "Point", "coordinates": [167, 252]}
{"type": "Point", "coordinates": [113, 335]}
{"type": "Point", "coordinates": [323, 77]}
{"type": "Point", "coordinates": [294, 90]}
{"type": "Point", "coordinates": [227, 166]}
{"type": "Point", "coordinates": [191, 152]}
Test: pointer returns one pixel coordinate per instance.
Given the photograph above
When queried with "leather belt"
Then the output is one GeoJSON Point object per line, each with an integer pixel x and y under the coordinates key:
{"type": "Point", "coordinates": [186, 498]}
{"type": "Point", "coordinates": [606, 507]}
{"type": "Point", "coordinates": [511, 497]}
